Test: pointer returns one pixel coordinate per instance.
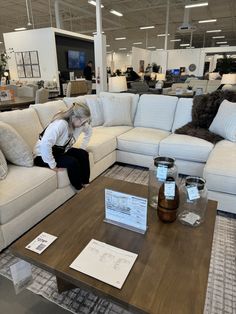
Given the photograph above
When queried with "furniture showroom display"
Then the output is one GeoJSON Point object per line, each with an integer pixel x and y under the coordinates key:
{"type": "Point", "coordinates": [28, 194]}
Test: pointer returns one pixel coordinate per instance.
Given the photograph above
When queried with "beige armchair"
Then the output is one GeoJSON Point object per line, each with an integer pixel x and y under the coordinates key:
{"type": "Point", "coordinates": [75, 88]}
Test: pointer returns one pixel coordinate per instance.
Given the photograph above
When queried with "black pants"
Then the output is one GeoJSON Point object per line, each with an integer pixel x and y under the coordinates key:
{"type": "Point", "coordinates": [76, 161]}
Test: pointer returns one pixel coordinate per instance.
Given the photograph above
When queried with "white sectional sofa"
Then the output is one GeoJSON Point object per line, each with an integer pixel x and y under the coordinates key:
{"type": "Point", "coordinates": [29, 194]}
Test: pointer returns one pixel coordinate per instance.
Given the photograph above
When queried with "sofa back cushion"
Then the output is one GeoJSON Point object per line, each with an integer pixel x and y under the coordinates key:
{"type": "Point", "coordinates": [94, 103]}
{"type": "Point", "coordinates": [25, 122]}
{"type": "Point", "coordinates": [155, 111]}
{"type": "Point", "coordinates": [48, 110]}
{"type": "Point", "coordinates": [117, 110]}
{"type": "Point", "coordinates": [134, 100]}
{"type": "Point", "coordinates": [183, 113]}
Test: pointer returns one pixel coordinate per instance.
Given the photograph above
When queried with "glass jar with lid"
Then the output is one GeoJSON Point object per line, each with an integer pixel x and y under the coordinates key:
{"type": "Point", "coordinates": [159, 171]}
{"type": "Point", "coordinates": [193, 201]}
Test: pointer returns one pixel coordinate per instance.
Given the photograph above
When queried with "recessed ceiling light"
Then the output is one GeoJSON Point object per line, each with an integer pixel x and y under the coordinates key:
{"type": "Point", "coordinates": [190, 47]}
{"type": "Point", "coordinates": [122, 48]}
{"type": "Point", "coordinates": [184, 45]}
{"type": "Point", "coordinates": [152, 47]}
{"type": "Point", "coordinates": [175, 39]}
{"type": "Point", "coordinates": [147, 27]}
{"type": "Point", "coordinates": [1, 42]}
{"type": "Point", "coordinates": [207, 21]}
{"type": "Point", "coordinates": [222, 42]}
{"type": "Point", "coordinates": [218, 37]}
{"type": "Point", "coordinates": [128, 54]}
{"type": "Point", "coordinates": [108, 45]}
{"type": "Point", "coordinates": [202, 4]}
{"type": "Point", "coordinates": [214, 31]}
{"type": "Point", "coordinates": [120, 38]}
{"type": "Point", "coordinates": [138, 43]}
{"type": "Point", "coordinates": [20, 29]}
{"type": "Point", "coordinates": [162, 35]}
{"type": "Point", "coordinates": [116, 13]}
{"type": "Point", "coordinates": [94, 3]}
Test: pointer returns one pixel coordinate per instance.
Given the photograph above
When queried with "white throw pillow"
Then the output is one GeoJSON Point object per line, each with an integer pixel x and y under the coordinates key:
{"type": "Point", "coordinates": [117, 110]}
{"type": "Point", "coordinates": [95, 107]}
{"type": "Point", "coordinates": [224, 123]}
{"type": "Point", "coordinates": [3, 166]}
{"type": "Point", "coordinates": [14, 147]}
{"type": "Point", "coordinates": [134, 99]}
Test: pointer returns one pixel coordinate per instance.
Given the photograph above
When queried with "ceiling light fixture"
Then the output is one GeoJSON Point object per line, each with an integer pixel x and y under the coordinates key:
{"type": "Point", "coordinates": [147, 27]}
{"type": "Point", "coordinates": [184, 45]}
{"type": "Point", "coordinates": [138, 43]}
{"type": "Point", "coordinates": [218, 37]}
{"type": "Point", "coordinates": [152, 47]}
{"type": "Point", "coordinates": [175, 39]}
{"type": "Point", "coordinates": [197, 5]}
{"type": "Point", "coordinates": [108, 45]}
{"type": "Point", "coordinates": [94, 3]}
{"type": "Point", "coordinates": [162, 35]}
{"type": "Point", "coordinates": [122, 48]}
{"type": "Point", "coordinates": [207, 21]}
{"type": "Point", "coordinates": [116, 12]}
{"type": "Point", "coordinates": [20, 29]}
{"type": "Point", "coordinates": [222, 42]}
{"type": "Point", "coordinates": [1, 42]}
{"type": "Point", "coordinates": [214, 31]}
{"type": "Point", "coordinates": [120, 38]}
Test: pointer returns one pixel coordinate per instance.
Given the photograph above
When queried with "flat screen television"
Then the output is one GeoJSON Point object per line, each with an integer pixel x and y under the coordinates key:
{"type": "Point", "coordinates": [76, 60]}
{"type": "Point", "coordinates": [175, 72]}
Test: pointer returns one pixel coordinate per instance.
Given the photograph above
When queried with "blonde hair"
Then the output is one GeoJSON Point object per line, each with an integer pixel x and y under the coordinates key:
{"type": "Point", "coordinates": [78, 110]}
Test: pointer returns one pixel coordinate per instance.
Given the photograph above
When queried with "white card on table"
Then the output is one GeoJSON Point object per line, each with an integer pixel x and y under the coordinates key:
{"type": "Point", "coordinates": [162, 172]}
{"type": "Point", "coordinates": [21, 275]}
{"type": "Point", "coordinates": [191, 218]}
{"type": "Point", "coordinates": [39, 244]}
{"type": "Point", "coordinates": [126, 209]}
{"type": "Point", "coordinates": [105, 262]}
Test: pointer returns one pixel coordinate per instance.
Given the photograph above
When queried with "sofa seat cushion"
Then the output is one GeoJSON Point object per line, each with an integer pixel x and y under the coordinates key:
{"type": "Point", "coordinates": [22, 188]}
{"type": "Point", "coordinates": [100, 145]}
{"type": "Point", "coordinates": [220, 169]}
{"type": "Point", "coordinates": [143, 141]}
{"type": "Point", "coordinates": [113, 130]}
{"type": "Point", "coordinates": [185, 147]}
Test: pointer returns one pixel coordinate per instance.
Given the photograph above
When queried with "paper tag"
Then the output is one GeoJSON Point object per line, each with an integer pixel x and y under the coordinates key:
{"type": "Point", "coordinates": [162, 172]}
{"type": "Point", "coordinates": [193, 193]}
{"type": "Point", "coordinates": [21, 275]}
{"type": "Point", "coordinates": [191, 218]}
{"type": "Point", "coordinates": [169, 190]}
{"type": "Point", "coordinates": [39, 244]}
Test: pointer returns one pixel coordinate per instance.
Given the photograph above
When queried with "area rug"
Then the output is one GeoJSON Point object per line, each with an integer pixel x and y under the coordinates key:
{"type": "Point", "coordinates": [221, 290]}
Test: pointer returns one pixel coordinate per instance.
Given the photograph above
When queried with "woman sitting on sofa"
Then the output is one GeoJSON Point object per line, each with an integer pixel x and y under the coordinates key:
{"type": "Point", "coordinates": [54, 147]}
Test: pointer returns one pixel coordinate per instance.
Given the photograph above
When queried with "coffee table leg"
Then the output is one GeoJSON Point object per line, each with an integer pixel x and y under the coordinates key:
{"type": "Point", "coordinates": [63, 285]}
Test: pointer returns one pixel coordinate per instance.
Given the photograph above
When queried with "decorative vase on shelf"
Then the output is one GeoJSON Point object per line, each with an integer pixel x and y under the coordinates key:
{"type": "Point", "coordinates": [168, 201]}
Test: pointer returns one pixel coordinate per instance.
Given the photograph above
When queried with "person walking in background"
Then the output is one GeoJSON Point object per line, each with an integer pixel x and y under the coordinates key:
{"type": "Point", "coordinates": [88, 74]}
{"type": "Point", "coordinates": [54, 148]}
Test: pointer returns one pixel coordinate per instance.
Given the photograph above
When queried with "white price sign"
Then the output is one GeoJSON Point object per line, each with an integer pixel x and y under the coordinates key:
{"type": "Point", "coordinates": [169, 190]}
{"type": "Point", "coordinates": [162, 172]}
{"type": "Point", "coordinates": [193, 193]}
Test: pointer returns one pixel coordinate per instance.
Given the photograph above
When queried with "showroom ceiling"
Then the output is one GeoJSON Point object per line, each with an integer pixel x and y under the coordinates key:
{"type": "Point", "coordinates": [79, 16]}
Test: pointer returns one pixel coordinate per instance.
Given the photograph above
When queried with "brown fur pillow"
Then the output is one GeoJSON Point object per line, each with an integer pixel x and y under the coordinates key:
{"type": "Point", "coordinates": [204, 110]}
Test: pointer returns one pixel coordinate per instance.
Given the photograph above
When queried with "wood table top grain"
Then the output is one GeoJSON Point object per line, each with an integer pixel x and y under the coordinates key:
{"type": "Point", "coordinates": [171, 272]}
{"type": "Point", "coordinates": [17, 102]}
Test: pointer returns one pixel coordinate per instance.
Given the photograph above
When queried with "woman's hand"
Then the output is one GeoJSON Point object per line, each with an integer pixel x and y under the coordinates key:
{"type": "Point", "coordinates": [58, 169]}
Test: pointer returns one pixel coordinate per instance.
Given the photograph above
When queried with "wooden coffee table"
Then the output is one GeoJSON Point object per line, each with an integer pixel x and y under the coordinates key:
{"type": "Point", "coordinates": [171, 271]}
